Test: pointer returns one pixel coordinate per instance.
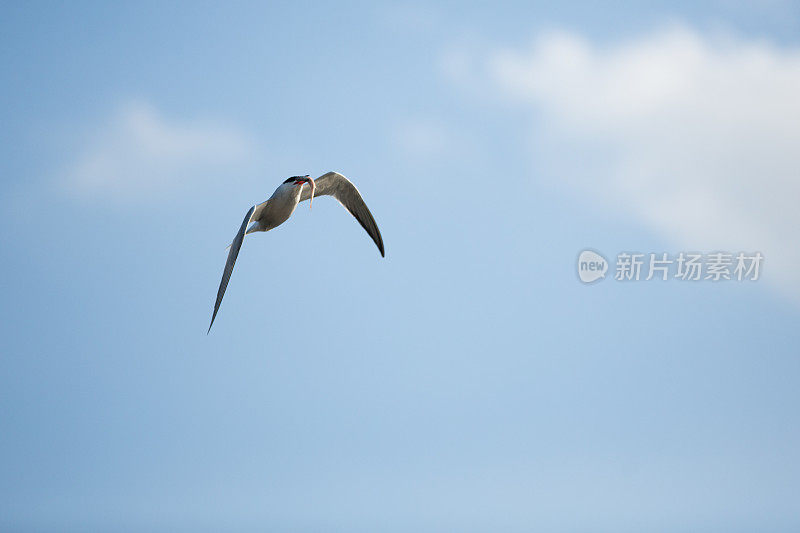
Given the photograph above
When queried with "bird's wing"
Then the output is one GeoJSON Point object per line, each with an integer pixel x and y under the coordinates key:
{"type": "Point", "coordinates": [236, 245]}
{"type": "Point", "coordinates": [260, 209]}
{"type": "Point", "coordinates": [336, 185]}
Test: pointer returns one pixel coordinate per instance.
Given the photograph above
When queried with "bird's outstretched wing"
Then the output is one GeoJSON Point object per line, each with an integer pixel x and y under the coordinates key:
{"type": "Point", "coordinates": [236, 245]}
{"type": "Point", "coordinates": [259, 209]}
{"type": "Point", "coordinates": [336, 185]}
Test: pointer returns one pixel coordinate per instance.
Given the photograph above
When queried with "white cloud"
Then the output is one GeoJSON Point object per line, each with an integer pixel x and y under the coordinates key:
{"type": "Point", "coordinates": [139, 152]}
{"type": "Point", "coordinates": [699, 135]}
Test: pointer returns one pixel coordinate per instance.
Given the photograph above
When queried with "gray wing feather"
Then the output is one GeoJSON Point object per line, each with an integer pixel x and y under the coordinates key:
{"type": "Point", "coordinates": [336, 185]}
{"type": "Point", "coordinates": [260, 210]}
{"type": "Point", "coordinates": [236, 245]}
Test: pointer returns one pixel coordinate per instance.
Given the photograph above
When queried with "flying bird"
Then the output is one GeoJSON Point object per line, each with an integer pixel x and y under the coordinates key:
{"type": "Point", "coordinates": [280, 206]}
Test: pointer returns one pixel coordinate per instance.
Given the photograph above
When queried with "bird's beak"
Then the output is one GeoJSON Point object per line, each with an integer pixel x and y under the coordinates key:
{"type": "Point", "coordinates": [313, 188]}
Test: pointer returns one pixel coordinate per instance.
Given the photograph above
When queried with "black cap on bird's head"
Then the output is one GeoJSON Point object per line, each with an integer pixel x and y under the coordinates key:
{"type": "Point", "coordinates": [296, 179]}
{"type": "Point", "coordinates": [300, 181]}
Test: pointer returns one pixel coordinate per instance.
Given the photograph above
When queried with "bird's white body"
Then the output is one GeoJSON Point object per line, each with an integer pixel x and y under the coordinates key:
{"type": "Point", "coordinates": [282, 204]}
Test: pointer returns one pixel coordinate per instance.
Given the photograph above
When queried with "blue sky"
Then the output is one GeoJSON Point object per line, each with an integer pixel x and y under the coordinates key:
{"type": "Point", "coordinates": [468, 381]}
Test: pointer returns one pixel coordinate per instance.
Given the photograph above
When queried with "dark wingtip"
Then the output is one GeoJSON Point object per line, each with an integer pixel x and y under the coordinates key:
{"type": "Point", "coordinates": [213, 317]}
{"type": "Point", "coordinates": [376, 238]}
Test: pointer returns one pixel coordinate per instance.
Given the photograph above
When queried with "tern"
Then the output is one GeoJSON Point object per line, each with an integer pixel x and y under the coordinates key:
{"type": "Point", "coordinates": [280, 206]}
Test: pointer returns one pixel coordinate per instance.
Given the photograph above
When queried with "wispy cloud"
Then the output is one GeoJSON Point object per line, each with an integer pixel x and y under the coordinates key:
{"type": "Point", "coordinates": [695, 135]}
{"type": "Point", "coordinates": [138, 152]}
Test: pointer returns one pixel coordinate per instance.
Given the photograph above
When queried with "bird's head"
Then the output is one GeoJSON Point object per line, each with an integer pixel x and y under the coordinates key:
{"type": "Point", "coordinates": [299, 181]}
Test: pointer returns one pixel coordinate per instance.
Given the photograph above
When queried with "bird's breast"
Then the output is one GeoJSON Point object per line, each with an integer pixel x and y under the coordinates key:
{"type": "Point", "coordinates": [281, 206]}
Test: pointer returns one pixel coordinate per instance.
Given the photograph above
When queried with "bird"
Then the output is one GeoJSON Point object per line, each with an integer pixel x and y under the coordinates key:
{"type": "Point", "coordinates": [280, 206]}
